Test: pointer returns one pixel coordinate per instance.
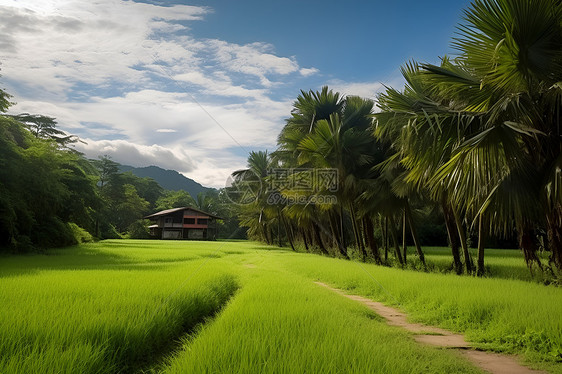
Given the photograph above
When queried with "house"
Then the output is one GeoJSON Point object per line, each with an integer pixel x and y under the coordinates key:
{"type": "Point", "coordinates": [183, 223]}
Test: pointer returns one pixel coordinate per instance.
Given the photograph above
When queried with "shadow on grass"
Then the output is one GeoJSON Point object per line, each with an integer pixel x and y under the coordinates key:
{"type": "Point", "coordinates": [79, 258]}
{"type": "Point", "coordinates": [499, 263]}
{"type": "Point", "coordinates": [158, 356]}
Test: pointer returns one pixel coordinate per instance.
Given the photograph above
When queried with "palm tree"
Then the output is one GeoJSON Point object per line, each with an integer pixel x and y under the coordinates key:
{"type": "Point", "coordinates": [420, 126]}
{"type": "Point", "coordinates": [513, 49]}
{"type": "Point", "coordinates": [326, 131]}
{"type": "Point", "coordinates": [250, 193]}
{"type": "Point", "coordinates": [490, 119]}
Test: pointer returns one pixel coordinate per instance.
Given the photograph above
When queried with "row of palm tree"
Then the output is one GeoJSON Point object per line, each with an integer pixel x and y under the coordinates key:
{"type": "Point", "coordinates": [326, 132]}
{"type": "Point", "coordinates": [478, 135]}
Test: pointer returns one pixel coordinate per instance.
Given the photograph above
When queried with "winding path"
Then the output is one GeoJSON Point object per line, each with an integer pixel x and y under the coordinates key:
{"type": "Point", "coordinates": [491, 362]}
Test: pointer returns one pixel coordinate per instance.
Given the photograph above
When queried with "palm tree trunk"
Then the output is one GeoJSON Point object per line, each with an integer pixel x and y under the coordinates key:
{"type": "Point", "coordinates": [529, 247]}
{"type": "Point", "coordinates": [318, 236]}
{"type": "Point", "coordinates": [342, 231]}
{"type": "Point", "coordinates": [279, 227]}
{"type": "Point", "coordinates": [270, 231]}
{"type": "Point", "coordinates": [303, 233]}
{"type": "Point", "coordinates": [481, 239]}
{"type": "Point", "coordinates": [264, 233]}
{"type": "Point", "coordinates": [336, 233]}
{"type": "Point", "coordinates": [385, 239]}
{"type": "Point", "coordinates": [554, 234]}
{"type": "Point", "coordinates": [288, 231]}
{"type": "Point", "coordinates": [370, 237]}
{"type": "Point", "coordinates": [464, 245]}
{"type": "Point", "coordinates": [333, 229]}
{"type": "Point", "coordinates": [356, 232]}
{"type": "Point", "coordinates": [453, 237]}
{"type": "Point", "coordinates": [404, 246]}
{"type": "Point", "coordinates": [394, 234]}
{"type": "Point", "coordinates": [414, 234]}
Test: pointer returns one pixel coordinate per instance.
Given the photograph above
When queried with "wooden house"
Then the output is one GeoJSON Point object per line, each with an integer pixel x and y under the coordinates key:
{"type": "Point", "coordinates": [183, 223]}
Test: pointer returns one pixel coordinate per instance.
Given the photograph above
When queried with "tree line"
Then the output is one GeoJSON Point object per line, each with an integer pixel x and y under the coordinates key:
{"type": "Point", "coordinates": [476, 139]}
{"type": "Point", "coordinates": [52, 196]}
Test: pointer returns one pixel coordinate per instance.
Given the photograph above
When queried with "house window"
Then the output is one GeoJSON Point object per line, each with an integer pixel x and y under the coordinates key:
{"type": "Point", "coordinates": [189, 221]}
{"type": "Point", "coordinates": [168, 220]}
{"type": "Point", "coordinates": [202, 221]}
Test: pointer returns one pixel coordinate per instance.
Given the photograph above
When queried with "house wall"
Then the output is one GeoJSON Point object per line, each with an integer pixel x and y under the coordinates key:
{"type": "Point", "coordinates": [172, 234]}
{"type": "Point", "coordinates": [174, 226]}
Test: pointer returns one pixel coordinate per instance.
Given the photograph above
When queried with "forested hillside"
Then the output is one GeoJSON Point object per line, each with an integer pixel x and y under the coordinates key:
{"type": "Point", "coordinates": [168, 179]}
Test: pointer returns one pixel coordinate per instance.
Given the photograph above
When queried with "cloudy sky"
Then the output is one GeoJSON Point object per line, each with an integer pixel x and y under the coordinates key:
{"type": "Point", "coordinates": [195, 85]}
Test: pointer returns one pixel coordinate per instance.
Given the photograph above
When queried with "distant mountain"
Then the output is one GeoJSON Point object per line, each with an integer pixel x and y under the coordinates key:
{"type": "Point", "coordinates": [168, 179]}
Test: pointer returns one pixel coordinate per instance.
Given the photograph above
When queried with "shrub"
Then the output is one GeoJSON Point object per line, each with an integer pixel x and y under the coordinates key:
{"type": "Point", "coordinates": [52, 232]}
{"type": "Point", "coordinates": [108, 231]}
{"type": "Point", "coordinates": [80, 235]}
{"type": "Point", "coordinates": [139, 229]}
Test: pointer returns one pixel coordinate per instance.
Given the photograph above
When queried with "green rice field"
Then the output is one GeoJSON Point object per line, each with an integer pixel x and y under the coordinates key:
{"type": "Point", "coordinates": [133, 306]}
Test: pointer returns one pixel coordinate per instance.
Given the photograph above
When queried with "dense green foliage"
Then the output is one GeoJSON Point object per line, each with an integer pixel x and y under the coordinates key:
{"type": "Point", "coordinates": [51, 196]}
{"type": "Point", "coordinates": [42, 188]}
{"type": "Point", "coordinates": [120, 305]}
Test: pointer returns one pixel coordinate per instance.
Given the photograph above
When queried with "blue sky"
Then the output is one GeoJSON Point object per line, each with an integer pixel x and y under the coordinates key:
{"type": "Point", "coordinates": [194, 85]}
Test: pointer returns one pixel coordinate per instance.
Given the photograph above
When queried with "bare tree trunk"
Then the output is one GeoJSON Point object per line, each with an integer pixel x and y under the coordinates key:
{"type": "Point", "coordinates": [464, 245]}
{"type": "Point", "coordinates": [414, 234]}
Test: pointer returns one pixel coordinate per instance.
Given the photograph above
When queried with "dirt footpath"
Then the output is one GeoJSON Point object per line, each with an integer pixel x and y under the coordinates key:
{"type": "Point", "coordinates": [491, 362]}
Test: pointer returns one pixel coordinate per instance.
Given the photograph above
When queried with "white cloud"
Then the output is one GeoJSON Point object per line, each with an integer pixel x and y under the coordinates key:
{"type": "Point", "coordinates": [367, 90]}
{"type": "Point", "coordinates": [205, 141]}
{"type": "Point", "coordinates": [85, 42]}
{"type": "Point", "coordinates": [253, 59]}
{"type": "Point", "coordinates": [130, 80]}
{"type": "Point", "coordinates": [128, 153]}
{"type": "Point", "coordinates": [305, 72]}
{"type": "Point", "coordinates": [219, 85]}
{"type": "Point", "coordinates": [166, 130]}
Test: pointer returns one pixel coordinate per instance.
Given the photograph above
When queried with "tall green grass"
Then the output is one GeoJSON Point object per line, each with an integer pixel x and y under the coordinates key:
{"type": "Point", "coordinates": [280, 323]}
{"type": "Point", "coordinates": [500, 314]}
{"type": "Point", "coordinates": [123, 305]}
{"type": "Point", "coordinates": [100, 312]}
